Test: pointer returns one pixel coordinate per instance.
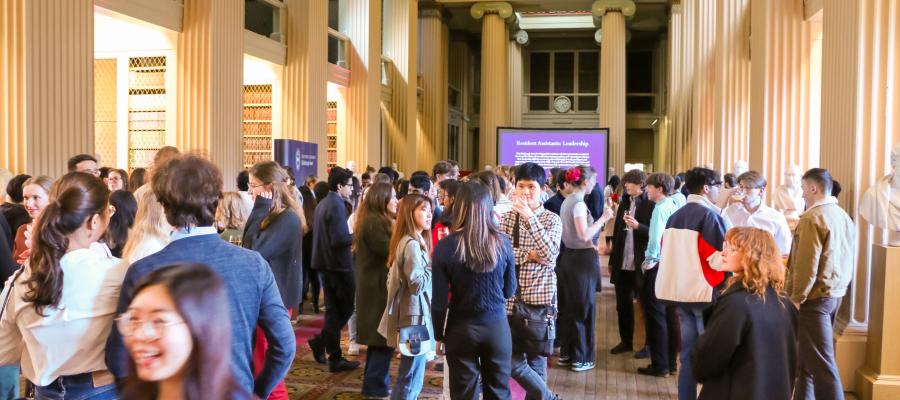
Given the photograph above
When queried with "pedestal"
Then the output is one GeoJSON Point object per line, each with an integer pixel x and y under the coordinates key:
{"type": "Point", "coordinates": [880, 377]}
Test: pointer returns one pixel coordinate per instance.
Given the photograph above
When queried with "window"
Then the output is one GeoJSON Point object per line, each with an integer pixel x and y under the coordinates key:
{"type": "Point", "coordinates": [639, 82]}
{"type": "Point", "coordinates": [573, 74]}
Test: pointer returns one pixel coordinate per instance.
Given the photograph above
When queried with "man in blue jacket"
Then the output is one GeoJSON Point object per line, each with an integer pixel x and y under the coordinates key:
{"type": "Point", "coordinates": [189, 188]}
{"type": "Point", "coordinates": [332, 258]}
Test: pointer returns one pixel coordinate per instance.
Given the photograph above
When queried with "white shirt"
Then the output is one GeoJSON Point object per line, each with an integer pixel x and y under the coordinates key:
{"type": "Point", "coordinates": [69, 339]}
{"type": "Point", "coordinates": [248, 201]}
{"type": "Point", "coordinates": [766, 218]}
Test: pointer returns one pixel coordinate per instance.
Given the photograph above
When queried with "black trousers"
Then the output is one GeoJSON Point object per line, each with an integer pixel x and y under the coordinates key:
{"type": "Point", "coordinates": [578, 275]}
{"type": "Point", "coordinates": [478, 350]}
{"type": "Point", "coordinates": [625, 290]}
{"type": "Point", "coordinates": [562, 325]}
{"type": "Point", "coordinates": [661, 324]}
{"type": "Point", "coordinates": [340, 292]}
{"type": "Point", "coordinates": [310, 276]}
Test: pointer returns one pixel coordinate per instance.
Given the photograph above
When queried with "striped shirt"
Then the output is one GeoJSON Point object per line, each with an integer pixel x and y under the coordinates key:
{"type": "Point", "coordinates": [541, 233]}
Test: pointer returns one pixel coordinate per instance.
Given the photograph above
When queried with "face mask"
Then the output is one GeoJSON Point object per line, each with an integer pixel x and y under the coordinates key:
{"type": "Point", "coordinates": [752, 201]}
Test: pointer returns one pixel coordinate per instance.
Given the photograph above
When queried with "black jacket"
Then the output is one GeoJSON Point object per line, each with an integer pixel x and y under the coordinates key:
{"type": "Point", "coordinates": [749, 347]}
{"type": "Point", "coordinates": [642, 213]}
{"type": "Point", "coordinates": [331, 235]}
{"type": "Point", "coordinates": [594, 201]}
{"type": "Point", "coordinates": [281, 244]}
{"type": "Point", "coordinates": [7, 264]}
{"type": "Point", "coordinates": [16, 215]}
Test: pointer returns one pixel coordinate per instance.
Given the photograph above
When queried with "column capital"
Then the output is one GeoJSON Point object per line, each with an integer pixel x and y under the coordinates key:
{"type": "Point", "coordinates": [434, 11]}
{"type": "Point", "coordinates": [601, 7]}
{"type": "Point", "coordinates": [520, 36]}
{"type": "Point", "coordinates": [501, 8]}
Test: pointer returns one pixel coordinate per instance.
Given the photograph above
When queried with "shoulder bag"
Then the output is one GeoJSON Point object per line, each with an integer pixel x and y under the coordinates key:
{"type": "Point", "coordinates": [533, 327]}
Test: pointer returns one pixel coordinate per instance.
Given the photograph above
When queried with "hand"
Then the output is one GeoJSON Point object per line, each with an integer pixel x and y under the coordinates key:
{"type": "Point", "coordinates": [521, 207]}
{"type": "Point", "coordinates": [631, 222]}
{"type": "Point", "coordinates": [533, 256]}
{"type": "Point", "coordinates": [439, 348]}
{"type": "Point", "coordinates": [266, 195]}
{"type": "Point", "coordinates": [608, 214]}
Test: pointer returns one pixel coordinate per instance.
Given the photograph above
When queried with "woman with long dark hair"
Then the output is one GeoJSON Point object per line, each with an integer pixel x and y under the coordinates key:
{"type": "Point", "coordinates": [137, 179]}
{"type": "Point", "coordinates": [476, 267]}
{"type": "Point", "coordinates": [120, 223]}
{"type": "Point", "coordinates": [117, 179]}
{"type": "Point", "coordinates": [275, 229]}
{"type": "Point", "coordinates": [175, 329]}
{"type": "Point", "coordinates": [59, 307]}
{"type": "Point", "coordinates": [374, 222]}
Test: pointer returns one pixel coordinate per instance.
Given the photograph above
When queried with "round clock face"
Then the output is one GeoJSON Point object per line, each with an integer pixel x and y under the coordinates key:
{"type": "Point", "coordinates": [562, 104]}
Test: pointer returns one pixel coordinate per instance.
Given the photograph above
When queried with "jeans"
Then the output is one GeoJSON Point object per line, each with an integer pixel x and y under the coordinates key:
{"type": "Point", "coordinates": [691, 319]}
{"type": "Point", "coordinates": [75, 387]}
{"type": "Point", "coordinates": [478, 350]}
{"type": "Point", "coordinates": [530, 372]}
{"type": "Point", "coordinates": [410, 377]}
{"type": "Point", "coordinates": [818, 378]}
{"type": "Point", "coordinates": [660, 326]}
{"type": "Point", "coordinates": [9, 382]}
{"type": "Point", "coordinates": [340, 294]}
{"type": "Point", "coordinates": [377, 373]}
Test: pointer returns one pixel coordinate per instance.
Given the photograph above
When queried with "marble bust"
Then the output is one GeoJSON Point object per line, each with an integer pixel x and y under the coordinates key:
{"type": "Point", "coordinates": [880, 205]}
{"type": "Point", "coordinates": [789, 196]}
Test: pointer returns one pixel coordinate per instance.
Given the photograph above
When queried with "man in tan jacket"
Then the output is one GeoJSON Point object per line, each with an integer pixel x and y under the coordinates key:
{"type": "Point", "coordinates": [819, 270]}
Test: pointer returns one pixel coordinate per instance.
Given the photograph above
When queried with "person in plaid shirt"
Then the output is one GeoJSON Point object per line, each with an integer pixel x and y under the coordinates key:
{"type": "Point", "coordinates": [536, 248]}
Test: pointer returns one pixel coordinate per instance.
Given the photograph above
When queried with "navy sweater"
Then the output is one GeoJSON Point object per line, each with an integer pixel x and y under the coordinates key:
{"type": "Point", "coordinates": [473, 297]}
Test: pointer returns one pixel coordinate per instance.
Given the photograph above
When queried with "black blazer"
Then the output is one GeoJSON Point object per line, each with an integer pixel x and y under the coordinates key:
{"type": "Point", "coordinates": [16, 215]}
{"type": "Point", "coordinates": [594, 201]}
{"type": "Point", "coordinates": [642, 213]}
{"type": "Point", "coordinates": [7, 264]}
{"type": "Point", "coordinates": [749, 347]}
{"type": "Point", "coordinates": [281, 244]}
{"type": "Point", "coordinates": [331, 235]}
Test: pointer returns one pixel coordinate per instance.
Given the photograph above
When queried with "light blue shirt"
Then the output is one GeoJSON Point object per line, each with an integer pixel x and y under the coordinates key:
{"type": "Point", "coordinates": [190, 231]}
{"type": "Point", "coordinates": [661, 213]}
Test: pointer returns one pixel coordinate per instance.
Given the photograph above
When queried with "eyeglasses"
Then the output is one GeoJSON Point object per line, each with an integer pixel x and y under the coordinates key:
{"type": "Point", "coordinates": [256, 186]}
{"type": "Point", "coordinates": [151, 329]}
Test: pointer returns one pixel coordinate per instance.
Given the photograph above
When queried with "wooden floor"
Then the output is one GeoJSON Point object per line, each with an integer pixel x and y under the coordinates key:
{"type": "Point", "coordinates": [615, 376]}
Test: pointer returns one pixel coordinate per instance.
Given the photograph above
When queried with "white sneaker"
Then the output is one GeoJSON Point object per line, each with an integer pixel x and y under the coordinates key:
{"type": "Point", "coordinates": [584, 366]}
{"type": "Point", "coordinates": [353, 349]}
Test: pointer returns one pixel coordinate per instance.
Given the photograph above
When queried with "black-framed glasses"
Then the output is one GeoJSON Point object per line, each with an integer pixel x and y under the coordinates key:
{"type": "Point", "coordinates": [151, 329]}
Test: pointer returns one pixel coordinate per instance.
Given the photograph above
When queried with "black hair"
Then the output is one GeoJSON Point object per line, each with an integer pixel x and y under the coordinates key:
{"type": "Point", "coordinates": [614, 182]}
{"type": "Point", "coordinates": [821, 178]}
{"type": "Point", "coordinates": [338, 176]}
{"type": "Point", "coordinates": [450, 186]}
{"type": "Point", "coordinates": [678, 181]}
{"type": "Point", "coordinates": [121, 221]}
{"type": "Point", "coordinates": [559, 178]}
{"type": "Point", "coordinates": [243, 181]}
{"type": "Point", "coordinates": [366, 175]}
{"type": "Point", "coordinates": [104, 172]}
{"type": "Point", "coordinates": [531, 172]}
{"type": "Point", "coordinates": [14, 187]}
{"type": "Point", "coordinates": [73, 162]}
{"type": "Point", "coordinates": [389, 171]}
{"type": "Point", "coordinates": [420, 182]}
{"type": "Point", "coordinates": [635, 177]}
{"type": "Point", "coordinates": [320, 190]}
{"type": "Point", "coordinates": [730, 180]}
{"type": "Point", "coordinates": [699, 177]}
{"type": "Point", "coordinates": [418, 173]}
{"type": "Point", "coordinates": [402, 188]}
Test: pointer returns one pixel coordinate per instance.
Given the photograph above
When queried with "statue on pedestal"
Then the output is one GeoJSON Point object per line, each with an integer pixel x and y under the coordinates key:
{"type": "Point", "coordinates": [880, 205]}
{"type": "Point", "coordinates": [789, 196]}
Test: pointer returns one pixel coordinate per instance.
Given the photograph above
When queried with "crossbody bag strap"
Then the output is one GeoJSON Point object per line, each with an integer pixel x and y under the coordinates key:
{"type": "Point", "coordinates": [517, 233]}
{"type": "Point", "coordinates": [12, 285]}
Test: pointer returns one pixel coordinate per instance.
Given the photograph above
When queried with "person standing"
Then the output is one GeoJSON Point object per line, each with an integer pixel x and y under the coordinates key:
{"type": "Point", "coordinates": [474, 268]}
{"type": "Point", "coordinates": [820, 268]}
{"type": "Point", "coordinates": [332, 257]}
{"type": "Point", "coordinates": [536, 234]}
{"type": "Point", "coordinates": [36, 195]}
{"type": "Point", "coordinates": [689, 275]}
{"type": "Point", "coordinates": [752, 211]}
{"type": "Point", "coordinates": [661, 322]}
{"type": "Point", "coordinates": [371, 242]}
{"type": "Point", "coordinates": [630, 236]}
{"type": "Point", "coordinates": [311, 283]}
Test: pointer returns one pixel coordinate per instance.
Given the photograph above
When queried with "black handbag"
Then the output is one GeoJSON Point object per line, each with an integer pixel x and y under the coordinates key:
{"type": "Point", "coordinates": [533, 327]}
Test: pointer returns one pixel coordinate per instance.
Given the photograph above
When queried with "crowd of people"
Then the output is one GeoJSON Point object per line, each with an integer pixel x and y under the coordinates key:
{"type": "Point", "coordinates": [130, 286]}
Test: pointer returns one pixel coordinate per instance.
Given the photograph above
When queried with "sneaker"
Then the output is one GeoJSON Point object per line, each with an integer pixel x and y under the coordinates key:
{"type": "Point", "coordinates": [342, 365]}
{"type": "Point", "coordinates": [584, 366]}
{"type": "Point", "coordinates": [642, 353]}
{"type": "Point", "coordinates": [318, 349]}
{"type": "Point", "coordinates": [649, 370]}
{"type": "Point", "coordinates": [620, 348]}
{"type": "Point", "coordinates": [564, 362]}
{"type": "Point", "coordinates": [353, 349]}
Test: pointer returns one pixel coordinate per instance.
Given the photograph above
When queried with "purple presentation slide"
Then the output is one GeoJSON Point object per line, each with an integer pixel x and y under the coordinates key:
{"type": "Point", "coordinates": [554, 148]}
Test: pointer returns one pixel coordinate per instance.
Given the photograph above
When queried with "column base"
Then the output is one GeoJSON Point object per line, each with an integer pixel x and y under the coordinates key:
{"type": "Point", "coordinates": [850, 355]}
{"type": "Point", "coordinates": [872, 386]}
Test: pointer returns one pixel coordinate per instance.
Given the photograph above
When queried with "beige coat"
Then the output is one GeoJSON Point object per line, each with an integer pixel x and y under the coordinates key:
{"type": "Point", "coordinates": [823, 253]}
{"type": "Point", "coordinates": [409, 291]}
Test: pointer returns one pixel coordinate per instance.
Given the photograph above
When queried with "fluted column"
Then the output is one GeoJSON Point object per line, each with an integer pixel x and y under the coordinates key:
{"type": "Point", "coordinates": [859, 100]}
{"type": "Point", "coordinates": [400, 45]}
{"type": "Point", "coordinates": [46, 84]}
{"type": "Point", "coordinates": [516, 81]}
{"type": "Point", "coordinates": [433, 56]}
{"type": "Point", "coordinates": [210, 82]}
{"type": "Point", "coordinates": [494, 66]}
{"type": "Point", "coordinates": [612, 74]}
{"type": "Point", "coordinates": [460, 76]}
{"type": "Point", "coordinates": [362, 24]}
{"type": "Point", "coordinates": [304, 89]}
{"type": "Point", "coordinates": [703, 93]}
{"type": "Point", "coordinates": [732, 83]}
{"type": "Point", "coordinates": [780, 97]}
{"type": "Point", "coordinates": [681, 74]}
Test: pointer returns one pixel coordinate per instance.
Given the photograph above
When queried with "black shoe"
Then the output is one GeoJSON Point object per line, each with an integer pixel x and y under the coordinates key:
{"type": "Point", "coordinates": [652, 372]}
{"type": "Point", "coordinates": [673, 370]}
{"type": "Point", "coordinates": [318, 350]}
{"type": "Point", "coordinates": [642, 353]}
{"type": "Point", "coordinates": [342, 365]}
{"type": "Point", "coordinates": [620, 348]}
{"type": "Point", "coordinates": [316, 308]}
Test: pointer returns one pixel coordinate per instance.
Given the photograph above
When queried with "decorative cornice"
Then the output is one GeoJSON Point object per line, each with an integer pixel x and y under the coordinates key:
{"type": "Point", "coordinates": [601, 7]}
{"type": "Point", "coordinates": [501, 8]}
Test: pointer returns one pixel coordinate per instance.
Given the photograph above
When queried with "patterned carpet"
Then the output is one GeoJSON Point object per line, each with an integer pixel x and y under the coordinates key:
{"type": "Point", "coordinates": [309, 380]}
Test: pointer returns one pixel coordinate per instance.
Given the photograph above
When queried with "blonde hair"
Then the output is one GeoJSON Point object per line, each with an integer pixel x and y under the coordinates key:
{"type": "Point", "coordinates": [760, 258]}
{"type": "Point", "coordinates": [231, 213]}
{"type": "Point", "coordinates": [44, 181]}
{"type": "Point", "coordinates": [149, 223]}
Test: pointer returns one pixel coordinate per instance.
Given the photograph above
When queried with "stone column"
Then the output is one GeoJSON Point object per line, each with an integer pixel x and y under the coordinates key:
{"type": "Point", "coordinates": [433, 57]}
{"type": "Point", "coordinates": [362, 23]}
{"type": "Point", "coordinates": [494, 66]}
{"type": "Point", "coordinates": [679, 101]}
{"type": "Point", "coordinates": [516, 78]}
{"type": "Point", "coordinates": [702, 87]}
{"type": "Point", "coordinates": [612, 74]}
{"type": "Point", "coordinates": [732, 84]}
{"type": "Point", "coordinates": [304, 85]}
{"type": "Point", "coordinates": [46, 84]}
{"type": "Point", "coordinates": [859, 100]}
{"type": "Point", "coordinates": [400, 45]}
{"type": "Point", "coordinates": [210, 83]}
{"type": "Point", "coordinates": [460, 76]}
{"type": "Point", "coordinates": [781, 111]}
